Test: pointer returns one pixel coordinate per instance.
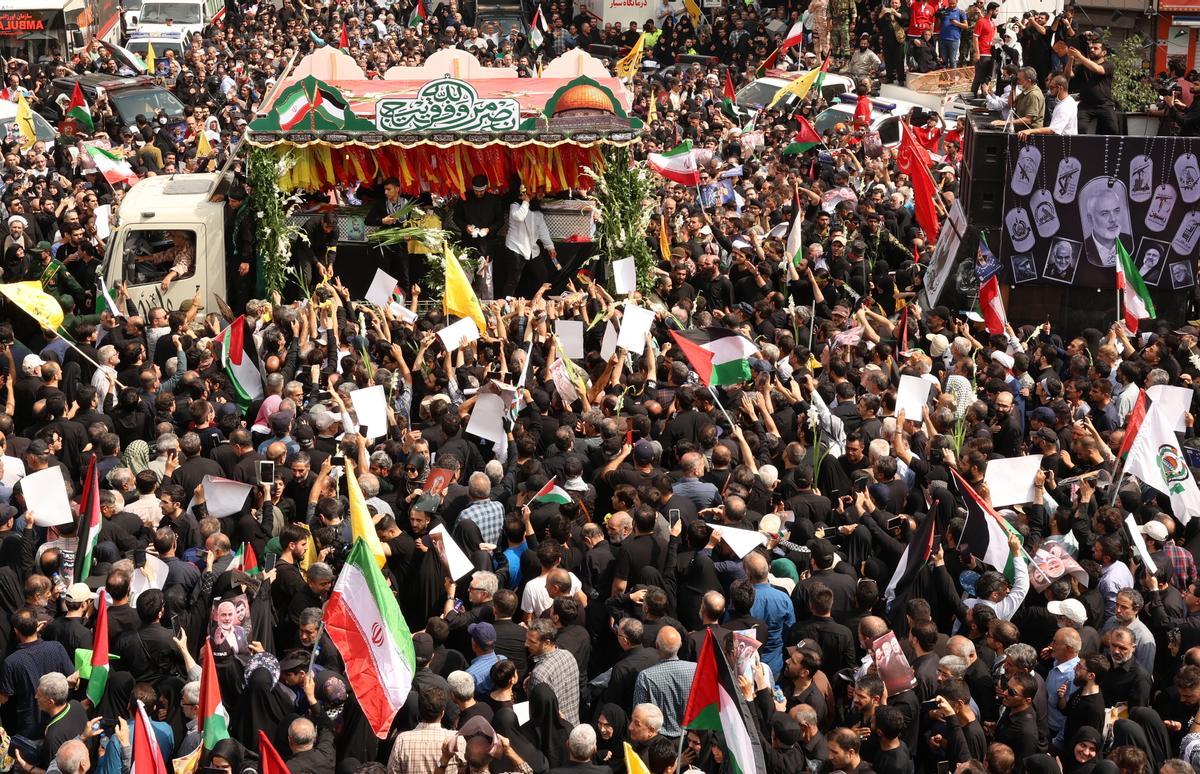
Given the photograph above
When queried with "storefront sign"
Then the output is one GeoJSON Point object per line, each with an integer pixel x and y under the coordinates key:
{"type": "Point", "coordinates": [447, 105]}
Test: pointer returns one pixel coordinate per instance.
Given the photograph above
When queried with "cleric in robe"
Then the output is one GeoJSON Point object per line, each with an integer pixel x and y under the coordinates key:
{"type": "Point", "coordinates": [1104, 215]}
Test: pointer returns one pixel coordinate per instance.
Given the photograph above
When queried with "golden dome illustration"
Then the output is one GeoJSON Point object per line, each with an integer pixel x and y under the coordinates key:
{"type": "Point", "coordinates": [584, 96]}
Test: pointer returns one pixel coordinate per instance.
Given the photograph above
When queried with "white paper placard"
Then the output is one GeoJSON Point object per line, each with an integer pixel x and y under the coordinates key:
{"type": "Point", "coordinates": [382, 285]}
{"type": "Point", "coordinates": [456, 558]}
{"type": "Point", "coordinates": [1010, 481]}
{"type": "Point", "coordinates": [570, 335]}
{"type": "Point", "coordinates": [224, 496]}
{"type": "Point", "coordinates": [152, 576]}
{"type": "Point", "coordinates": [370, 405]}
{"type": "Point", "coordinates": [487, 418]}
{"type": "Point", "coordinates": [608, 345]}
{"type": "Point", "coordinates": [452, 335]}
{"type": "Point", "coordinates": [562, 383]}
{"type": "Point", "coordinates": [46, 497]}
{"type": "Point", "coordinates": [635, 324]}
{"type": "Point", "coordinates": [911, 396]}
{"type": "Point", "coordinates": [1173, 402]}
{"type": "Point", "coordinates": [742, 541]}
{"type": "Point", "coordinates": [624, 276]}
{"type": "Point", "coordinates": [521, 710]}
{"type": "Point", "coordinates": [14, 469]}
{"type": "Point", "coordinates": [1139, 543]}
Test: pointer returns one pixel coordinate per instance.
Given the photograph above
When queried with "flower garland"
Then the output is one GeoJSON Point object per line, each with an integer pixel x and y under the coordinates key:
{"type": "Point", "coordinates": [272, 212]}
{"type": "Point", "coordinates": [624, 194]}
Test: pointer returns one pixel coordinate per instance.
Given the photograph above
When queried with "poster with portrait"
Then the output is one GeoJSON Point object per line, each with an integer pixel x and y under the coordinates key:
{"type": "Point", "coordinates": [230, 627]}
{"type": "Point", "coordinates": [892, 665]}
{"type": "Point", "coordinates": [1069, 201]}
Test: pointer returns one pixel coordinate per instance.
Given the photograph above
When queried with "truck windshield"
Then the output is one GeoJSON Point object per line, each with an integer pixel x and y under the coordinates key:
{"type": "Point", "coordinates": [132, 102]}
{"type": "Point", "coordinates": [181, 13]}
{"type": "Point", "coordinates": [141, 45]}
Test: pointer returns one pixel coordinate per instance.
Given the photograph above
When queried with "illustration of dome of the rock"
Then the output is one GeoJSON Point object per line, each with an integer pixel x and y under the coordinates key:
{"type": "Point", "coordinates": [584, 99]}
{"type": "Point", "coordinates": [581, 108]}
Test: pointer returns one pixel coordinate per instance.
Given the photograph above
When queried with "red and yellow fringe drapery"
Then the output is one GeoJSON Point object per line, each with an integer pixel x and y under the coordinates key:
{"type": "Point", "coordinates": [442, 171]}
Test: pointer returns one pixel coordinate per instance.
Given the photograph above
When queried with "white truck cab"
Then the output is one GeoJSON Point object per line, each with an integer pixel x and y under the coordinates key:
{"type": "Point", "coordinates": [159, 218]}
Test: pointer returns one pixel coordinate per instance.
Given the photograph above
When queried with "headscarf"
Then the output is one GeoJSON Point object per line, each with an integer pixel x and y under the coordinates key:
{"type": "Point", "coordinates": [118, 692]}
{"type": "Point", "coordinates": [1042, 764]}
{"type": "Point", "coordinates": [136, 456]}
{"type": "Point", "coordinates": [546, 726]}
{"type": "Point", "coordinates": [506, 724]}
{"type": "Point", "coordinates": [619, 720]}
{"type": "Point", "coordinates": [261, 706]}
{"type": "Point", "coordinates": [1145, 730]}
{"type": "Point", "coordinates": [268, 407]}
{"type": "Point", "coordinates": [1084, 734]}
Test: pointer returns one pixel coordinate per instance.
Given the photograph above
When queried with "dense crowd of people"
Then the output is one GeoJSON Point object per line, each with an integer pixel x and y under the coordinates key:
{"type": "Point", "coordinates": [579, 628]}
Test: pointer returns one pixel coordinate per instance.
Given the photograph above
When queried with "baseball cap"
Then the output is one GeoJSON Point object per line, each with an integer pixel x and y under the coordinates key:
{"type": "Point", "coordinates": [293, 661]}
{"type": "Point", "coordinates": [841, 240]}
{"type": "Point", "coordinates": [1042, 414]}
{"type": "Point", "coordinates": [1155, 530]}
{"type": "Point", "coordinates": [938, 344]}
{"type": "Point", "coordinates": [483, 633]}
{"type": "Point", "coordinates": [32, 361]}
{"type": "Point", "coordinates": [643, 451]}
{"type": "Point", "coordinates": [1188, 330]}
{"type": "Point", "coordinates": [43, 247]}
{"type": "Point", "coordinates": [1069, 608]}
{"type": "Point", "coordinates": [422, 646]}
{"type": "Point", "coordinates": [79, 592]}
{"type": "Point", "coordinates": [1045, 434]}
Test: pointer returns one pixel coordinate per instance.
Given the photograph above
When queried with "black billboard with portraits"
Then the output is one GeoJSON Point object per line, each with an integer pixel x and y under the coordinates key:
{"type": "Point", "coordinates": [1068, 201]}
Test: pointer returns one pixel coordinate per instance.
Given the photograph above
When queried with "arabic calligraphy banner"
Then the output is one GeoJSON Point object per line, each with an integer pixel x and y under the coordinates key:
{"type": "Point", "coordinates": [1068, 200]}
{"type": "Point", "coordinates": [447, 105]}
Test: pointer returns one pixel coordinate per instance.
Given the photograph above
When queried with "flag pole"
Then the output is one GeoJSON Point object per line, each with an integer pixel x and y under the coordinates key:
{"type": "Point", "coordinates": [812, 325]}
{"type": "Point", "coordinates": [718, 402]}
{"type": "Point", "coordinates": [312, 659]}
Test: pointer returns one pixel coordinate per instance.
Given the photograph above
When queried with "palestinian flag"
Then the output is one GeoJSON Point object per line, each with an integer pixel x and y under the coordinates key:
{"type": "Point", "coordinates": [99, 677]}
{"type": "Point", "coordinates": [89, 523]}
{"type": "Point", "coordinates": [537, 29]}
{"type": "Point", "coordinates": [78, 109]}
{"type": "Point", "coordinates": [915, 555]}
{"type": "Point", "coordinates": [331, 106]}
{"type": "Point", "coordinates": [419, 14]}
{"type": "Point", "coordinates": [106, 301]}
{"type": "Point", "coordinates": [986, 532]}
{"type": "Point", "coordinates": [1138, 304]}
{"type": "Point", "coordinates": [728, 104]}
{"type": "Point", "coordinates": [363, 619]}
{"type": "Point", "coordinates": [715, 704]}
{"type": "Point", "coordinates": [552, 493]}
{"type": "Point", "coordinates": [677, 165]}
{"type": "Point", "coordinates": [240, 358]}
{"type": "Point", "coordinates": [767, 64]}
{"type": "Point", "coordinates": [212, 718]}
{"type": "Point", "coordinates": [147, 757]}
{"type": "Point", "coordinates": [245, 560]}
{"type": "Point", "coordinates": [805, 139]}
{"type": "Point", "coordinates": [992, 306]}
{"type": "Point", "coordinates": [344, 39]}
{"type": "Point", "coordinates": [114, 168]}
{"type": "Point", "coordinates": [293, 108]}
{"type": "Point", "coordinates": [268, 756]}
{"type": "Point", "coordinates": [795, 235]}
{"type": "Point", "coordinates": [1132, 425]}
{"type": "Point", "coordinates": [719, 355]}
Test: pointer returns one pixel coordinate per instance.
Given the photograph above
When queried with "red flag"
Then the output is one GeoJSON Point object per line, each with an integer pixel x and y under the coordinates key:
{"type": "Point", "coordinates": [992, 305]}
{"type": "Point", "coordinates": [344, 40]}
{"type": "Point", "coordinates": [268, 758]}
{"type": "Point", "coordinates": [767, 64]}
{"type": "Point", "coordinates": [913, 160]}
{"type": "Point", "coordinates": [729, 92]}
{"type": "Point", "coordinates": [147, 757]}
{"type": "Point", "coordinates": [1134, 423]}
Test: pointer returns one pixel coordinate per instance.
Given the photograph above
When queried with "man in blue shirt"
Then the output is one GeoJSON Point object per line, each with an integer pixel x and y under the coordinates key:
{"type": "Point", "coordinates": [1060, 682]}
{"type": "Point", "coordinates": [771, 605]}
{"type": "Point", "coordinates": [953, 22]}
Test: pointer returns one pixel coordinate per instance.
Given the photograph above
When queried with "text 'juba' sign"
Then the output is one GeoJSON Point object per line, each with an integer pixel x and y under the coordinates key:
{"type": "Point", "coordinates": [447, 105]}
{"type": "Point", "coordinates": [1068, 200]}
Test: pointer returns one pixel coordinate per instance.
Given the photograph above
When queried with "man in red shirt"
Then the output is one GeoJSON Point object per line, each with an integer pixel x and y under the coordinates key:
{"type": "Point", "coordinates": [920, 18]}
{"type": "Point", "coordinates": [985, 33]}
{"type": "Point", "coordinates": [929, 135]}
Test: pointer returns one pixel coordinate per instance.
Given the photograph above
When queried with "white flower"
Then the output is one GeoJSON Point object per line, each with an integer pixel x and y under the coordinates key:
{"type": "Point", "coordinates": [814, 418]}
{"type": "Point", "coordinates": [259, 214]}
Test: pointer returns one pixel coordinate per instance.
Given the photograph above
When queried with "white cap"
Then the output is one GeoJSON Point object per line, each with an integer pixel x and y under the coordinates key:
{"type": "Point", "coordinates": [1069, 608]}
{"type": "Point", "coordinates": [1155, 530]}
{"type": "Point", "coordinates": [32, 361]}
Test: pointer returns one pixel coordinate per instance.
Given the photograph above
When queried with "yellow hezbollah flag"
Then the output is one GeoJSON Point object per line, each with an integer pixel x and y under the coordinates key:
{"type": "Point", "coordinates": [35, 301]}
{"type": "Point", "coordinates": [24, 121]}
{"type": "Point", "coordinates": [633, 763]}
{"type": "Point", "coordinates": [800, 87]}
{"type": "Point", "coordinates": [361, 525]}
{"type": "Point", "coordinates": [458, 298]}
{"type": "Point", "coordinates": [629, 64]}
{"type": "Point", "coordinates": [664, 238]}
{"type": "Point", "coordinates": [149, 59]}
{"type": "Point", "coordinates": [693, 9]}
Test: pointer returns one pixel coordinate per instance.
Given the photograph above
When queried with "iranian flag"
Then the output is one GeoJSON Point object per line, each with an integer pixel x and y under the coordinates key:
{"type": "Point", "coordinates": [677, 165]}
{"type": "Point", "coordinates": [78, 109]}
{"type": "Point", "coordinates": [211, 716]}
{"type": "Point", "coordinates": [419, 14]}
{"type": "Point", "coordinates": [719, 355]}
{"type": "Point", "coordinates": [99, 677]}
{"type": "Point", "coordinates": [293, 108]}
{"type": "Point", "coordinates": [794, 37]}
{"type": "Point", "coordinates": [240, 358]}
{"type": "Point", "coordinates": [114, 168]}
{"type": "Point", "coordinates": [552, 493]}
{"type": "Point", "coordinates": [331, 106]}
{"type": "Point", "coordinates": [89, 523]}
{"type": "Point", "coordinates": [1137, 301]}
{"type": "Point", "coordinates": [805, 139]}
{"type": "Point", "coordinates": [364, 621]}
{"type": "Point", "coordinates": [715, 704]}
{"type": "Point", "coordinates": [537, 29]}
{"type": "Point", "coordinates": [147, 757]}
{"type": "Point", "coordinates": [245, 560]}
